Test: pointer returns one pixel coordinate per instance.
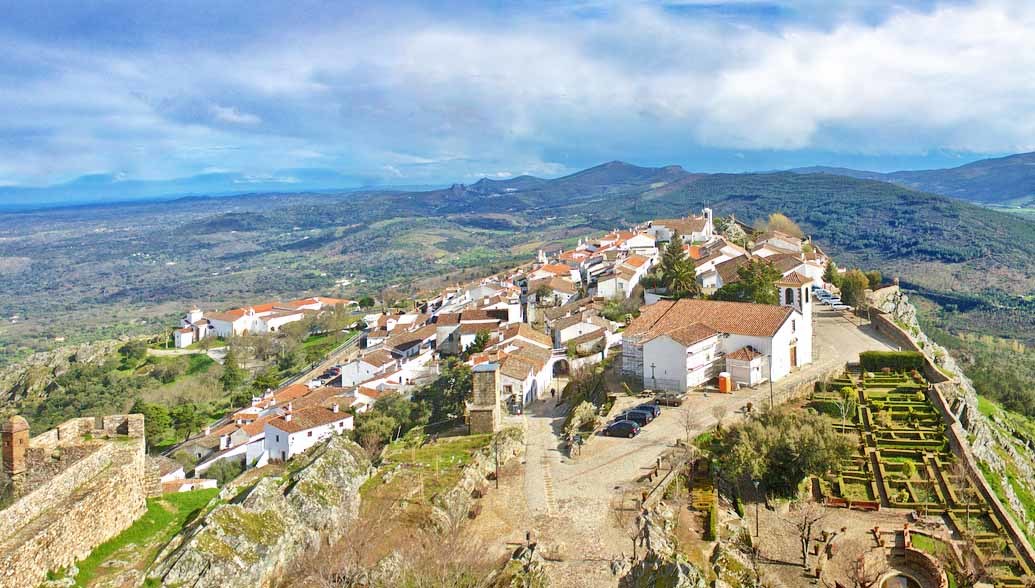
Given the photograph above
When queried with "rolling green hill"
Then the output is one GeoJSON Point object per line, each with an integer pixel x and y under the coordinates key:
{"type": "Point", "coordinates": [1006, 181]}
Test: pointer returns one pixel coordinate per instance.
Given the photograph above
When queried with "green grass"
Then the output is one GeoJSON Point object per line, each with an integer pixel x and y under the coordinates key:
{"type": "Point", "coordinates": [165, 517]}
{"type": "Point", "coordinates": [933, 547]}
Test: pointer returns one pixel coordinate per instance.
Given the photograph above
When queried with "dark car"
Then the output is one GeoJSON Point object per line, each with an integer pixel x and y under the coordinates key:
{"type": "Point", "coordinates": [652, 408]}
{"type": "Point", "coordinates": [622, 429]}
{"type": "Point", "coordinates": [637, 416]}
{"type": "Point", "coordinates": [670, 399]}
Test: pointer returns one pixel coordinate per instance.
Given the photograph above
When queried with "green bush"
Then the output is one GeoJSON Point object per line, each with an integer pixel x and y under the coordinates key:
{"type": "Point", "coordinates": [899, 361]}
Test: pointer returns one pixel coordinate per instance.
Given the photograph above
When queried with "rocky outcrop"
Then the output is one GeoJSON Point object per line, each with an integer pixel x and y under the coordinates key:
{"type": "Point", "coordinates": [663, 565]}
{"type": "Point", "coordinates": [33, 377]}
{"type": "Point", "coordinates": [249, 543]}
{"type": "Point", "coordinates": [451, 508]}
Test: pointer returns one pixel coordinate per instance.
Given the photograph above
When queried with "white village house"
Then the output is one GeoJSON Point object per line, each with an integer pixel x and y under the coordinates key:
{"type": "Point", "coordinates": [675, 345]}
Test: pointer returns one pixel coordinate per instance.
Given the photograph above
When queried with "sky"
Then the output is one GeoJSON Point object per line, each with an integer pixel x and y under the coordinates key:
{"type": "Point", "coordinates": [440, 92]}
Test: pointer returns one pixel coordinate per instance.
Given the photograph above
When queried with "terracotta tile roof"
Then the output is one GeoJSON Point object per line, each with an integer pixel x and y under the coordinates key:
{"type": "Point", "coordinates": [784, 262]}
{"type": "Point", "coordinates": [257, 426]}
{"type": "Point", "coordinates": [407, 339]}
{"type": "Point", "coordinates": [563, 285]}
{"type": "Point", "coordinates": [175, 485]}
{"type": "Point", "coordinates": [527, 332]}
{"type": "Point", "coordinates": [448, 318]}
{"type": "Point", "coordinates": [593, 335]}
{"type": "Point", "coordinates": [692, 333]}
{"type": "Point", "coordinates": [557, 269]}
{"type": "Point", "coordinates": [741, 318]}
{"type": "Point", "coordinates": [516, 367]}
{"type": "Point", "coordinates": [378, 358]}
{"type": "Point", "coordinates": [475, 328]}
{"type": "Point", "coordinates": [746, 353]}
{"type": "Point", "coordinates": [635, 261]}
{"type": "Point", "coordinates": [684, 226]}
{"type": "Point", "coordinates": [794, 279]}
{"type": "Point", "coordinates": [165, 465]}
{"type": "Point", "coordinates": [308, 418]}
{"type": "Point", "coordinates": [727, 270]}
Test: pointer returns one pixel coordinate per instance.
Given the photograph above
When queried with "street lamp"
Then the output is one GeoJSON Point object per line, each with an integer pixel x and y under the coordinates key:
{"type": "Point", "coordinates": [653, 381]}
{"type": "Point", "coordinates": [497, 448]}
{"type": "Point", "coordinates": [756, 483]}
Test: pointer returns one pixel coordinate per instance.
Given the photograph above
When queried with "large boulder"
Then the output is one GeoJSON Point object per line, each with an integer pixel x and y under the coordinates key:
{"type": "Point", "coordinates": [250, 543]}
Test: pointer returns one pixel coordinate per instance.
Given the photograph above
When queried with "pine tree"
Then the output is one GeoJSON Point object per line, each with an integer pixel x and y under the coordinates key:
{"type": "Point", "coordinates": [671, 257]}
{"type": "Point", "coordinates": [831, 275]}
{"type": "Point", "coordinates": [233, 374]}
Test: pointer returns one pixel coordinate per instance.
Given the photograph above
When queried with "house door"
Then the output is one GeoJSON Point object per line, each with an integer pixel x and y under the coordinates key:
{"type": "Point", "coordinates": [794, 357]}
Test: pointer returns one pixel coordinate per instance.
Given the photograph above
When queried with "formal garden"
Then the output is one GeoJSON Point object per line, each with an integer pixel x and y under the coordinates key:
{"type": "Point", "coordinates": [903, 460]}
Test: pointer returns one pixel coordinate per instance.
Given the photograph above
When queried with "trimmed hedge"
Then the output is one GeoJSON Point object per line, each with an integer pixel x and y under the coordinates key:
{"type": "Point", "coordinates": [899, 361]}
{"type": "Point", "coordinates": [712, 532]}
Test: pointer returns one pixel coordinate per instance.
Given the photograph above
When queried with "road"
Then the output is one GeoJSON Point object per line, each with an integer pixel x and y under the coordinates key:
{"type": "Point", "coordinates": [569, 504]}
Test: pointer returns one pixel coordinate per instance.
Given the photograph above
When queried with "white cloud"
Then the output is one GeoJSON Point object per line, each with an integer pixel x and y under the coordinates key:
{"type": "Point", "coordinates": [230, 114]}
{"type": "Point", "coordinates": [420, 98]}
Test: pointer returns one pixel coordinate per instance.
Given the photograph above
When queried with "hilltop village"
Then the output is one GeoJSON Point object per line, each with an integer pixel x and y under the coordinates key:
{"type": "Point", "coordinates": [563, 312]}
{"type": "Point", "coordinates": [638, 388]}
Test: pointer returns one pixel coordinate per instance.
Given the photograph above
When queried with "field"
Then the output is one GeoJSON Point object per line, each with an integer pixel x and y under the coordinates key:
{"type": "Point", "coordinates": [904, 461]}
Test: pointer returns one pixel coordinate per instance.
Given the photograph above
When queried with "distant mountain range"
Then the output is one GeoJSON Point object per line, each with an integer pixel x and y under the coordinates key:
{"type": "Point", "coordinates": [1001, 181]}
{"type": "Point", "coordinates": [1004, 180]}
{"type": "Point", "coordinates": [107, 188]}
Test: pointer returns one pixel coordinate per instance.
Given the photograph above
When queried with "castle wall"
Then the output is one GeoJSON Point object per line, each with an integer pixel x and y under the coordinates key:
{"type": "Point", "coordinates": [90, 502]}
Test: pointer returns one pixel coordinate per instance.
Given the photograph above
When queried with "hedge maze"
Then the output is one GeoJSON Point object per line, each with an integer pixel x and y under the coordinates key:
{"type": "Point", "coordinates": [904, 461]}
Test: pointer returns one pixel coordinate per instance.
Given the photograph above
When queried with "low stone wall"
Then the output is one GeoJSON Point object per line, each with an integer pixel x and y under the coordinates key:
{"type": "Point", "coordinates": [452, 507]}
{"type": "Point", "coordinates": [64, 520]}
{"type": "Point", "coordinates": [884, 324]}
{"type": "Point", "coordinates": [921, 562]}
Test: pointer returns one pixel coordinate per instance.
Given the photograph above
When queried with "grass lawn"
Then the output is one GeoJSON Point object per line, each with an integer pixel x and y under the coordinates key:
{"type": "Point", "coordinates": [935, 547]}
{"type": "Point", "coordinates": [139, 543]}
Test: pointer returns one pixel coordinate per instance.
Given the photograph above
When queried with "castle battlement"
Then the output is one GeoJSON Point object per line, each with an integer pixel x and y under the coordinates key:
{"type": "Point", "coordinates": [75, 487]}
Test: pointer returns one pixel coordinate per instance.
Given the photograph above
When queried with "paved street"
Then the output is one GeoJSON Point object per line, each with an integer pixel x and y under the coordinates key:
{"type": "Point", "coordinates": [568, 504]}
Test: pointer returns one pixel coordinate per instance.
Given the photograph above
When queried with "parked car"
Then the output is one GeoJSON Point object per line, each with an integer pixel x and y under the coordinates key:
{"type": "Point", "coordinates": [654, 409]}
{"type": "Point", "coordinates": [638, 416]}
{"type": "Point", "coordinates": [622, 429]}
{"type": "Point", "coordinates": [670, 399]}
{"type": "Point", "coordinates": [841, 307]}
{"type": "Point", "coordinates": [832, 301]}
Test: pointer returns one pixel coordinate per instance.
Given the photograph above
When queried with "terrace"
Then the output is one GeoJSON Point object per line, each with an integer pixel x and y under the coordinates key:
{"type": "Point", "coordinates": [904, 462]}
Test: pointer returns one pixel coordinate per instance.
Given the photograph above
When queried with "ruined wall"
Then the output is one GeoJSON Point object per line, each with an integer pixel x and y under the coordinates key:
{"type": "Point", "coordinates": [63, 519]}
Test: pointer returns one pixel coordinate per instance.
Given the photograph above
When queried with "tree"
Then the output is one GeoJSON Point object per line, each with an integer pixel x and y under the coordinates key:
{"type": "Point", "coordinates": [831, 275]}
{"type": "Point", "coordinates": [375, 430]}
{"type": "Point", "coordinates": [804, 518]}
{"type": "Point", "coordinates": [853, 288]}
{"type": "Point", "coordinates": [224, 470]}
{"type": "Point", "coordinates": [874, 278]}
{"type": "Point", "coordinates": [781, 222]}
{"type": "Point", "coordinates": [187, 419]}
{"type": "Point", "coordinates": [671, 257]}
{"type": "Point", "coordinates": [157, 422]}
{"type": "Point", "coordinates": [447, 394]}
{"type": "Point", "coordinates": [267, 379]}
{"type": "Point", "coordinates": [780, 448]}
{"type": "Point", "coordinates": [845, 402]}
{"type": "Point", "coordinates": [233, 374]}
{"type": "Point", "coordinates": [756, 282]}
{"type": "Point", "coordinates": [481, 341]}
{"type": "Point", "coordinates": [366, 302]}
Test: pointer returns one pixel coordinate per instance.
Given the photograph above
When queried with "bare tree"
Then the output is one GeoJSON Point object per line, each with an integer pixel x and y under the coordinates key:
{"type": "Point", "coordinates": [719, 411]}
{"type": "Point", "coordinates": [967, 491]}
{"type": "Point", "coordinates": [865, 565]}
{"type": "Point", "coordinates": [627, 519]}
{"type": "Point", "coordinates": [845, 401]}
{"type": "Point", "coordinates": [804, 517]}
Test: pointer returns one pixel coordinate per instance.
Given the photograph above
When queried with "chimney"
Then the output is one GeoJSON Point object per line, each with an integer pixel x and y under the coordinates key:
{"type": "Point", "coordinates": [334, 407]}
{"type": "Point", "coordinates": [287, 418]}
{"type": "Point", "coordinates": [208, 431]}
{"type": "Point", "coordinates": [289, 408]}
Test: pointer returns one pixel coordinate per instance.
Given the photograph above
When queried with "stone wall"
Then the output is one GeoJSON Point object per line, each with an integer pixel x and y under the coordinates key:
{"type": "Point", "coordinates": [94, 499]}
{"type": "Point", "coordinates": [450, 508]}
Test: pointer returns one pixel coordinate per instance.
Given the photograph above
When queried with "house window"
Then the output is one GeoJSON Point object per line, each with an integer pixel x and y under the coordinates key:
{"type": "Point", "coordinates": [788, 296]}
{"type": "Point", "coordinates": [309, 434]}
{"type": "Point", "coordinates": [794, 326]}
{"type": "Point", "coordinates": [807, 294]}
{"type": "Point", "coordinates": [278, 438]}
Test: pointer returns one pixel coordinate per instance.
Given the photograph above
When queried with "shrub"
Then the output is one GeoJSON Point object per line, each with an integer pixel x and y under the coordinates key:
{"type": "Point", "coordinates": [899, 361]}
